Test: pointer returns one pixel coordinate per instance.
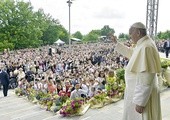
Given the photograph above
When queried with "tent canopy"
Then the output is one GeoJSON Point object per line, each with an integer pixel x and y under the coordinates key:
{"type": "Point", "coordinates": [59, 42]}
{"type": "Point", "coordinates": [76, 39]}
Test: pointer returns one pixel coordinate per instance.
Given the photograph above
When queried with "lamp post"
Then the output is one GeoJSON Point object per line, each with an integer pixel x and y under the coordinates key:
{"type": "Point", "coordinates": [69, 5]}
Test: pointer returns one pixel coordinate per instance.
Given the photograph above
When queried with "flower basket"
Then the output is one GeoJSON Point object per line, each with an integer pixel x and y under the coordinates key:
{"type": "Point", "coordinates": [58, 103]}
{"type": "Point", "coordinates": [116, 98]}
{"type": "Point", "coordinates": [99, 105]}
{"type": "Point", "coordinates": [74, 108]}
{"type": "Point", "coordinates": [162, 82]}
{"type": "Point", "coordinates": [35, 101]}
{"type": "Point", "coordinates": [20, 92]}
{"type": "Point", "coordinates": [84, 108]}
{"type": "Point", "coordinates": [165, 63]}
{"type": "Point", "coordinates": [98, 100]}
{"type": "Point", "coordinates": [166, 74]}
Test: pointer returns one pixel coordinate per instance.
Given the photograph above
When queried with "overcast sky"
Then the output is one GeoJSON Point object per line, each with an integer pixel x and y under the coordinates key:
{"type": "Point", "coordinates": [87, 15]}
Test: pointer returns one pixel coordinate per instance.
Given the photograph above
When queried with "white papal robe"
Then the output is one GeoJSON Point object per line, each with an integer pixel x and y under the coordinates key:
{"type": "Point", "coordinates": [141, 80]}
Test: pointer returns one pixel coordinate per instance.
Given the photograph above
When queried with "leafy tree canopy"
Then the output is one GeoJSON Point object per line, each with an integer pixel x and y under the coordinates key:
{"type": "Point", "coordinates": [106, 30]}
{"type": "Point", "coordinates": [78, 35]}
{"type": "Point", "coordinates": [164, 35]}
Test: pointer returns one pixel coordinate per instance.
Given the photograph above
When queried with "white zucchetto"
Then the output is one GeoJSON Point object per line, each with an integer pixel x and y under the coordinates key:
{"type": "Point", "coordinates": [139, 25]}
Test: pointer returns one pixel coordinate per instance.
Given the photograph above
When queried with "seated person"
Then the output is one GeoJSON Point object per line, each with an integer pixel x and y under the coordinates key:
{"type": "Point", "coordinates": [77, 93]}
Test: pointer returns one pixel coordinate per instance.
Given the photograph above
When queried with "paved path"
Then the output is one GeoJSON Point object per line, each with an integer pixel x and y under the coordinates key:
{"type": "Point", "coordinates": [19, 108]}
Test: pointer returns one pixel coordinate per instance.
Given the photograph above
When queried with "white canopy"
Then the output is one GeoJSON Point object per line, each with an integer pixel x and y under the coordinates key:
{"type": "Point", "coordinates": [75, 39]}
{"type": "Point", "coordinates": [59, 42]}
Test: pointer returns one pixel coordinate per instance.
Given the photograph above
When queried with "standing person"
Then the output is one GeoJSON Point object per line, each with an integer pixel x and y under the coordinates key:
{"type": "Point", "coordinates": [166, 46]}
{"type": "Point", "coordinates": [142, 96]}
{"type": "Point", "coordinates": [50, 51]}
{"type": "Point", "coordinates": [4, 78]}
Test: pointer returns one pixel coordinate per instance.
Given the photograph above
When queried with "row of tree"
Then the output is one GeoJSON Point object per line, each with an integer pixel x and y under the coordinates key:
{"type": "Point", "coordinates": [22, 27]}
{"type": "Point", "coordinates": [93, 36]}
{"type": "Point", "coordinates": [164, 35]}
{"type": "Point", "coordinates": [160, 36]}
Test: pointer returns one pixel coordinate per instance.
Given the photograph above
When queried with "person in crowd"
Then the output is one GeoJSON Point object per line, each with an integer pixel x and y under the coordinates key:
{"type": "Point", "coordinates": [101, 79]}
{"type": "Point", "coordinates": [92, 87]}
{"type": "Point", "coordinates": [4, 79]}
{"type": "Point", "coordinates": [78, 93]}
{"type": "Point", "coordinates": [51, 86]}
{"type": "Point", "coordinates": [60, 90]}
{"type": "Point", "coordinates": [166, 47]}
{"type": "Point", "coordinates": [84, 86]}
{"type": "Point", "coordinates": [50, 51]}
{"type": "Point", "coordinates": [92, 92]}
{"type": "Point", "coordinates": [21, 74]}
{"type": "Point", "coordinates": [67, 88]}
{"type": "Point", "coordinates": [142, 96]}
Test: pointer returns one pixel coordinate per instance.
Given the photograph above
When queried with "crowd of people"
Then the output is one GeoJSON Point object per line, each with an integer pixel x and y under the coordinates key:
{"type": "Point", "coordinates": [52, 68]}
{"type": "Point", "coordinates": [83, 69]}
{"type": "Point", "coordinates": [164, 47]}
{"type": "Point", "coordinates": [63, 69]}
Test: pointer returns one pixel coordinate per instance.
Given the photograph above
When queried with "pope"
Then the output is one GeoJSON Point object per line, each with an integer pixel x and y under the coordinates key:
{"type": "Point", "coordinates": [142, 96]}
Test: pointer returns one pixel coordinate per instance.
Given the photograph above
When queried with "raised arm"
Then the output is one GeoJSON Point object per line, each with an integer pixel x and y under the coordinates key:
{"type": "Point", "coordinates": [120, 48]}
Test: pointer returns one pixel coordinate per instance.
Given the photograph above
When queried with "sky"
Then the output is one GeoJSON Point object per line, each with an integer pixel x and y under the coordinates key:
{"type": "Point", "coordinates": [87, 15]}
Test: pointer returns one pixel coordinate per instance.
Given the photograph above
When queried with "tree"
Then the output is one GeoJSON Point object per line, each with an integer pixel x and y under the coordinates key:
{"type": "Point", "coordinates": [21, 27]}
{"type": "Point", "coordinates": [5, 44]}
{"type": "Point", "coordinates": [63, 34]}
{"type": "Point", "coordinates": [92, 36]}
{"type": "Point", "coordinates": [106, 30]}
{"type": "Point", "coordinates": [50, 35]}
{"type": "Point", "coordinates": [53, 33]}
{"type": "Point", "coordinates": [164, 35]}
{"type": "Point", "coordinates": [78, 35]}
{"type": "Point", "coordinates": [123, 36]}
{"type": "Point", "coordinates": [19, 24]}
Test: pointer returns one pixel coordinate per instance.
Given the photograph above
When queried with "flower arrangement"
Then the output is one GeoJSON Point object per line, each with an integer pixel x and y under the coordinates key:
{"type": "Point", "coordinates": [31, 94]}
{"type": "Point", "coordinates": [45, 100]}
{"type": "Point", "coordinates": [120, 74]}
{"type": "Point", "coordinates": [114, 86]}
{"type": "Point", "coordinates": [40, 94]}
{"type": "Point", "coordinates": [120, 81]}
{"type": "Point", "coordinates": [165, 63]}
{"type": "Point", "coordinates": [58, 103]}
{"type": "Point", "coordinates": [72, 107]}
{"type": "Point", "coordinates": [21, 92]}
{"type": "Point", "coordinates": [98, 100]}
{"type": "Point", "coordinates": [111, 85]}
{"type": "Point", "coordinates": [62, 104]}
